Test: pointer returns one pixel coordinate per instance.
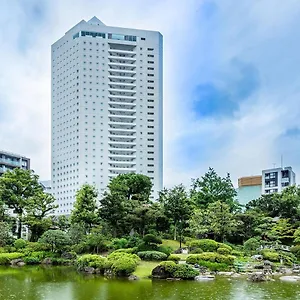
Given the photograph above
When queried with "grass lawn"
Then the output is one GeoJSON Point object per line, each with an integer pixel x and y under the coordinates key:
{"type": "Point", "coordinates": [173, 244]}
{"type": "Point", "coordinates": [145, 268]}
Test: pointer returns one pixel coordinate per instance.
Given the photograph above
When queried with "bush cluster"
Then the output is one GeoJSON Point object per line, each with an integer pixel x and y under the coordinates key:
{"type": "Point", "coordinates": [223, 251]}
{"type": "Point", "coordinates": [214, 266]}
{"type": "Point", "coordinates": [174, 257]}
{"type": "Point", "coordinates": [205, 244]}
{"type": "Point", "coordinates": [91, 260]}
{"type": "Point", "coordinates": [270, 255]}
{"type": "Point", "coordinates": [296, 251]}
{"type": "Point", "coordinates": [152, 255]}
{"type": "Point", "coordinates": [179, 271]}
{"type": "Point", "coordinates": [122, 264]}
{"type": "Point", "coordinates": [6, 258]}
{"type": "Point", "coordinates": [210, 256]}
{"type": "Point", "coordinates": [252, 244]}
{"type": "Point", "coordinates": [196, 251]}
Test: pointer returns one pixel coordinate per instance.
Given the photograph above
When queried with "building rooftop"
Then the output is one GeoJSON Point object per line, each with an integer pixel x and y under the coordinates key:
{"type": "Point", "coordinates": [250, 180]}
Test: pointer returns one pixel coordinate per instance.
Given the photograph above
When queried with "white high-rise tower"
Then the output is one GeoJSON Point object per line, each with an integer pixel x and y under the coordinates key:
{"type": "Point", "coordinates": [107, 106]}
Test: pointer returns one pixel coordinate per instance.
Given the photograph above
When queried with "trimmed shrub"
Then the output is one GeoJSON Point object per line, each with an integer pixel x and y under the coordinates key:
{"type": "Point", "coordinates": [270, 255]}
{"type": "Point", "coordinates": [57, 261]}
{"type": "Point", "coordinates": [210, 256]}
{"type": "Point", "coordinates": [185, 272]}
{"type": "Point", "coordinates": [20, 244]}
{"type": "Point", "coordinates": [122, 264]}
{"type": "Point", "coordinates": [147, 247]}
{"type": "Point", "coordinates": [252, 244]}
{"type": "Point", "coordinates": [152, 239]}
{"type": "Point", "coordinates": [165, 249]}
{"type": "Point", "coordinates": [206, 245]}
{"type": "Point", "coordinates": [179, 271]}
{"type": "Point", "coordinates": [6, 258]}
{"type": "Point", "coordinates": [116, 255]}
{"type": "Point", "coordinates": [30, 260]}
{"type": "Point", "coordinates": [152, 255]}
{"type": "Point", "coordinates": [91, 260]}
{"type": "Point", "coordinates": [222, 245]}
{"type": "Point", "coordinates": [223, 251]}
{"type": "Point", "coordinates": [296, 251]}
{"type": "Point", "coordinates": [237, 253]}
{"type": "Point", "coordinates": [36, 246]}
{"type": "Point", "coordinates": [213, 266]}
{"type": "Point", "coordinates": [128, 250]}
{"type": "Point", "coordinates": [118, 243]}
{"type": "Point", "coordinates": [174, 257]}
{"type": "Point", "coordinates": [196, 251]}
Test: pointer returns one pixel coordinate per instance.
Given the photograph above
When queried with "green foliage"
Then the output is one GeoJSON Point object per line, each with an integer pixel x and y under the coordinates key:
{"type": "Point", "coordinates": [204, 244]}
{"type": "Point", "coordinates": [57, 239]}
{"type": "Point", "coordinates": [296, 251]}
{"type": "Point", "coordinates": [128, 250]}
{"type": "Point", "coordinates": [118, 243]}
{"type": "Point", "coordinates": [237, 253]}
{"type": "Point", "coordinates": [222, 245]}
{"type": "Point", "coordinates": [36, 246]}
{"type": "Point", "coordinates": [212, 188]}
{"type": "Point", "coordinates": [213, 266]}
{"type": "Point", "coordinates": [174, 257]}
{"type": "Point", "coordinates": [30, 260]}
{"type": "Point", "coordinates": [6, 258]}
{"type": "Point", "coordinates": [123, 264]}
{"type": "Point", "coordinates": [152, 239]}
{"type": "Point", "coordinates": [270, 255]}
{"type": "Point", "coordinates": [152, 255]}
{"type": "Point", "coordinates": [252, 244]}
{"type": "Point", "coordinates": [179, 270]}
{"type": "Point", "coordinates": [20, 244]}
{"type": "Point", "coordinates": [196, 251]}
{"type": "Point", "coordinates": [210, 256]}
{"type": "Point", "coordinates": [297, 236]}
{"type": "Point", "coordinates": [165, 249]}
{"type": "Point", "coordinates": [91, 260]}
{"type": "Point", "coordinates": [4, 234]}
{"type": "Point", "coordinates": [223, 251]}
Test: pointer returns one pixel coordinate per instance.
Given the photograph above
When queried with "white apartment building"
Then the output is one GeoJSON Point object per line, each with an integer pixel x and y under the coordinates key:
{"type": "Point", "coordinates": [107, 106]}
{"type": "Point", "coordinates": [276, 179]}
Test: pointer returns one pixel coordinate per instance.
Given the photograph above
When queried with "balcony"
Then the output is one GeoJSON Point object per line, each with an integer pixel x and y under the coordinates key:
{"type": "Point", "coordinates": [121, 105]}
{"type": "Point", "coordinates": [122, 52]}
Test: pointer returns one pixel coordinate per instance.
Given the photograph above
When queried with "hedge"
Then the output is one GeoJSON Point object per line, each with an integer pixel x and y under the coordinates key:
{"type": "Point", "coordinates": [122, 264]}
{"type": "Point", "coordinates": [223, 251]}
{"type": "Point", "coordinates": [270, 255]}
{"type": "Point", "coordinates": [204, 244]}
{"type": "Point", "coordinates": [152, 255]}
{"type": "Point", "coordinates": [91, 260]}
{"type": "Point", "coordinates": [6, 258]}
{"type": "Point", "coordinates": [179, 271]}
{"type": "Point", "coordinates": [210, 256]}
{"type": "Point", "coordinates": [296, 251]}
{"type": "Point", "coordinates": [214, 266]}
{"type": "Point", "coordinates": [196, 251]}
{"type": "Point", "coordinates": [174, 257]}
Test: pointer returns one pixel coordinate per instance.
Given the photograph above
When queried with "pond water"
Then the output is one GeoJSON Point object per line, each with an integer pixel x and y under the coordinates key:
{"type": "Point", "coordinates": [64, 283]}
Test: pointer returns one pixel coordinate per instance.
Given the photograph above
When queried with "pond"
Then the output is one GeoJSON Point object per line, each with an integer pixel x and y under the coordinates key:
{"type": "Point", "coordinates": [64, 283]}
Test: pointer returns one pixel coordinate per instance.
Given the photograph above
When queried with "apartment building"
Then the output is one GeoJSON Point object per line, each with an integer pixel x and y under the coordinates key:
{"type": "Point", "coordinates": [107, 108]}
{"type": "Point", "coordinates": [10, 161]}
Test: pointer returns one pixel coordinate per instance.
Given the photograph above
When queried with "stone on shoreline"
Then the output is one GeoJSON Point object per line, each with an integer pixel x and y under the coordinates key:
{"type": "Point", "coordinates": [290, 278]}
{"type": "Point", "coordinates": [204, 277]}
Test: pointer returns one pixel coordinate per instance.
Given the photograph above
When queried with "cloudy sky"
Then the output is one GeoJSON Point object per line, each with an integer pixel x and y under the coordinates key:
{"type": "Point", "coordinates": [231, 79]}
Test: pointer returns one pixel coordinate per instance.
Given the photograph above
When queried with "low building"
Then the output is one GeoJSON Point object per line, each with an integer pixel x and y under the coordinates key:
{"type": "Point", "coordinates": [249, 188]}
{"type": "Point", "coordinates": [10, 161]}
{"type": "Point", "coordinates": [46, 184]}
{"type": "Point", "coordinates": [276, 179]}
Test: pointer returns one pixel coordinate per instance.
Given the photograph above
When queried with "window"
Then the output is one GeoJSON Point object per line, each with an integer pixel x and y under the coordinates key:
{"type": "Point", "coordinates": [143, 39]}
{"type": "Point", "coordinates": [150, 49]}
{"type": "Point", "coordinates": [150, 68]}
{"type": "Point", "coordinates": [150, 55]}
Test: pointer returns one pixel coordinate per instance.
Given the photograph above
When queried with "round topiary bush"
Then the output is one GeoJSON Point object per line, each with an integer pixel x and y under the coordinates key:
{"type": "Point", "coordinates": [20, 244]}
{"type": "Point", "coordinates": [174, 257]}
{"type": "Point", "coordinates": [206, 245]}
{"type": "Point", "coordinates": [270, 255]}
{"type": "Point", "coordinates": [251, 244]}
{"type": "Point", "coordinates": [152, 255]}
{"type": "Point", "coordinates": [196, 251]}
{"type": "Point", "coordinates": [152, 239]}
{"type": "Point", "coordinates": [223, 251]}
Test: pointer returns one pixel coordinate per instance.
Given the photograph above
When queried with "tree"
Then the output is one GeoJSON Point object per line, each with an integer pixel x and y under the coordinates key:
{"type": "Point", "coordinates": [84, 211]}
{"type": "Point", "coordinates": [177, 206]}
{"type": "Point", "coordinates": [57, 239]}
{"type": "Point", "coordinates": [212, 188]}
{"type": "Point", "coordinates": [199, 223]}
{"type": "Point", "coordinates": [62, 222]}
{"type": "Point", "coordinates": [4, 234]}
{"type": "Point", "coordinates": [38, 208]}
{"type": "Point", "coordinates": [16, 188]}
{"type": "Point", "coordinates": [222, 221]}
{"type": "Point", "coordinates": [284, 230]}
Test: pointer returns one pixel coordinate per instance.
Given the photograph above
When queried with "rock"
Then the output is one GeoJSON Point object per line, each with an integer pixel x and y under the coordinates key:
{"type": "Point", "coordinates": [257, 277]}
{"type": "Point", "coordinates": [290, 278]}
{"type": "Point", "coordinates": [133, 277]}
{"type": "Point", "coordinates": [47, 261]}
{"type": "Point", "coordinates": [160, 272]}
{"type": "Point", "coordinates": [236, 275]}
{"type": "Point", "coordinates": [98, 271]}
{"type": "Point", "coordinates": [204, 277]}
{"type": "Point", "coordinates": [21, 264]}
{"type": "Point", "coordinates": [89, 270]}
{"type": "Point", "coordinates": [257, 257]}
{"type": "Point", "coordinates": [68, 255]}
{"type": "Point", "coordinates": [15, 262]}
{"type": "Point", "coordinates": [225, 273]}
{"type": "Point", "coordinates": [173, 279]}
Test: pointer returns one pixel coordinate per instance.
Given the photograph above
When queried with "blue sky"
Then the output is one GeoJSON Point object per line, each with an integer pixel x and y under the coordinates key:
{"type": "Point", "coordinates": [231, 79]}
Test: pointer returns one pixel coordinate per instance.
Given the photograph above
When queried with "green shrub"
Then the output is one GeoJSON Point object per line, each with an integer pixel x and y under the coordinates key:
{"type": "Point", "coordinates": [210, 256]}
{"type": "Point", "coordinates": [185, 272]}
{"type": "Point", "coordinates": [117, 255]}
{"type": "Point", "coordinates": [147, 247]}
{"type": "Point", "coordinates": [296, 251]}
{"type": "Point", "coordinates": [30, 260]}
{"type": "Point", "coordinates": [57, 261]}
{"type": "Point", "coordinates": [251, 244]}
{"type": "Point", "coordinates": [288, 257]}
{"type": "Point", "coordinates": [6, 258]}
{"type": "Point", "coordinates": [152, 255]}
{"type": "Point", "coordinates": [36, 246]}
{"type": "Point", "coordinates": [118, 243]}
{"type": "Point", "coordinates": [223, 251]}
{"type": "Point", "coordinates": [222, 245]}
{"type": "Point", "coordinates": [270, 255]}
{"type": "Point", "coordinates": [206, 245]}
{"type": "Point", "coordinates": [174, 257]}
{"type": "Point", "coordinates": [237, 253]}
{"type": "Point", "coordinates": [179, 271]}
{"type": "Point", "coordinates": [196, 251]}
{"type": "Point", "coordinates": [152, 239]}
{"type": "Point", "coordinates": [214, 266]}
{"type": "Point", "coordinates": [20, 244]}
{"type": "Point", "coordinates": [165, 249]}
{"type": "Point", "coordinates": [91, 260]}
{"type": "Point", "coordinates": [122, 264]}
{"type": "Point", "coordinates": [128, 250]}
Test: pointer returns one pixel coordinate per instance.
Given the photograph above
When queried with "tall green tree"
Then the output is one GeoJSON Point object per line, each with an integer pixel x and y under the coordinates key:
{"type": "Point", "coordinates": [85, 208]}
{"type": "Point", "coordinates": [16, 188]}
{"type": "Point", "coordinates": [38, 209]}
{"type": "Point", "coordinates": [177, 206]}
{"type": "Point", "coordinates": [211, 188]}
